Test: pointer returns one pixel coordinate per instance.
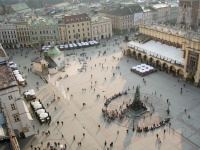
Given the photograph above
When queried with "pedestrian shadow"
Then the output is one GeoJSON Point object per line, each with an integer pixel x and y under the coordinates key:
{"type": "Point", "coordinates": [128, 138]}
{"type": "Point", "coordinates": [73, 119]}
{"type": "Point", "coordinates": [116, 137]}
{"type": "Point", "coordinates": [71, 143]}
{"type": "Point", "coordinates": [97, 131]}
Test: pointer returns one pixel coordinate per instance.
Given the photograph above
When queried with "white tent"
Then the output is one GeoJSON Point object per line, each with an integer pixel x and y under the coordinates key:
{"type": "Point", "coordinates": [43, 115]}
{"type": "Point", "coordinates": [40, 111]}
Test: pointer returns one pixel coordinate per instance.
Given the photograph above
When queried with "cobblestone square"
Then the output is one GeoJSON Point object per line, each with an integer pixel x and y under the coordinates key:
{"type": "Point", "coordinates": [184, 133]}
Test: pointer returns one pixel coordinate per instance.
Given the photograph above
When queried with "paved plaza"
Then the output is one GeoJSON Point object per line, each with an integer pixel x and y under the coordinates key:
{"type": "Point", "coordinates": [184, 132]}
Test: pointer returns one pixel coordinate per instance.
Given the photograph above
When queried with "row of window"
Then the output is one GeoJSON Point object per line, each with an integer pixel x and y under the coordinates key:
{"type": "Point", "coordinates": [24, 39]}
{"type": "Point", "coordinates": [8, 32]}
{"type": "Point", "coordinates": [23, 33]}
{"type": "Point", "coordinates": [44, 32]}
{"type": "Point", "coordinates": [44, 37]}
{"type": "Point", "coordinates": [9, 41]}
{"type": "Point", "coordinates": [78, 35]}
{"type": "Point", "coordinates": [102, 26]}
{"type": "Point", "coordinates": [21, 29]}
{"type": "Point", "coordinates": [9, 36]}
{"type": "Point", "coordinates": [102, 31]}
{"type": "Point", "coordinates": [77, 25]}
{"type": "Point", "coordinates": [79, 30]}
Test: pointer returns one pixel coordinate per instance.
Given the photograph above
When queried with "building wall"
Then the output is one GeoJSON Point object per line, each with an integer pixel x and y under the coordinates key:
{"type": "Point", "coordinates": [37, 67]}
{"type": "Point", "coordinates": [8, 36]}
{"type": "Point", "coordinates": [62, 33]}
{"type": "Point", "coordinates": [173, 13]}
{"type": "Point", "coordinates": [53, 70]}
{"type": "Point", "coordinates": [43, 34]}
{"type": "Point", "coordinates": [163, 14]}
{"type": "Point", "coordinates": [149, 17]}
{"type": "Point", "coordinates": [78, 31]}
{"type": "Point", "coordinates": [101, 28]}
{"type": "Point", "coordinates": [120, 22]}
{"type": "Point", "coordinates": [23, 34]}
{"type": "Point", "coordinates": [59, 60]}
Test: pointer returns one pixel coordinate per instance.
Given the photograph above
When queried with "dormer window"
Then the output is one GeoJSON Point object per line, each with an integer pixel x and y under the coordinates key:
{"type": "Point", "coordinates": [81, 19]}
{"type": "Point", "coordinates": [72, 20]}
{"type": "Point", "coordinates": [77, 19]}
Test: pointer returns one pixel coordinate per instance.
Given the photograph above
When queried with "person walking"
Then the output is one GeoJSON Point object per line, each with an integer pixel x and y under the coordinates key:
{"type": "Point", "coordinates": [105, 143]}
{"type": "Point", "coordinates": [74, 137]}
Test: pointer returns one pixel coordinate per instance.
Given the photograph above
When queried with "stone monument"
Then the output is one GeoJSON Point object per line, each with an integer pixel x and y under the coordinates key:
{"type": "Point", "coordinates": [137, 105]}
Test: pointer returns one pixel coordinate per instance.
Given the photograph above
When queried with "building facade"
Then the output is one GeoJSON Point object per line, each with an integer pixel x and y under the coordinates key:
{"type": "Point", "coordinates": [163, 12]}
{"type": "Point", "coordinates": [23, 33]}
{"type": "Point", "coordinates": [149, 15]}
{"type": "Point", "coordinates": [188, 41]}
{"type": "Point", "coordinates": [78, 28]}
{"type": "Point", "coordinates": [8, 36]}
{"type": "Point", "coordinates": [62, 31]}
{"type": "Point", "coordinates": [124, 18]}
{"type": "Point", "coordinates": [43, 31]}
{"type": "Point", "coordinates": [101, 27]}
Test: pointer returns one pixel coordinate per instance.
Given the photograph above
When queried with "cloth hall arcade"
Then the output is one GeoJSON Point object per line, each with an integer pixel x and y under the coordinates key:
{"type": "Point", "coordinates": [186, 40]}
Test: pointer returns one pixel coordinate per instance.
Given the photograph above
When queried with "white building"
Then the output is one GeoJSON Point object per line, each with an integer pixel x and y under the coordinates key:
{"type": "Point", "coordinates": [101, 27]}
{"type": "Point", "coordinates": [14, 108]}
{"type": "Point", "coordinates": [163, 11]}
{"type": "Point", "coordinates": [159, 12]}
{"type": "Point", "coordinates": [8, 36]}
{"type": "Point", "coordinates": [149, 15]}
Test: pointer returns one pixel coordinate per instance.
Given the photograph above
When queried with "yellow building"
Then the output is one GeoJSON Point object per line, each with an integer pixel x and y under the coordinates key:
{"type": "Point", "coordinates": [78, 28]}
{"type": "Point", "coordinates": [184, 44]}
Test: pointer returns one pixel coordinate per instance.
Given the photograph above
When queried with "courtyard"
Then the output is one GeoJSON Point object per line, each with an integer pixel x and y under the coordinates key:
{"type": "Point", "coordinates": [114, 76]}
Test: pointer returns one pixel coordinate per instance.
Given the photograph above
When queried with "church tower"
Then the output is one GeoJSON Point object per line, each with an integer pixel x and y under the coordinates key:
{"type": "Point", "coordinates": [189, 14]}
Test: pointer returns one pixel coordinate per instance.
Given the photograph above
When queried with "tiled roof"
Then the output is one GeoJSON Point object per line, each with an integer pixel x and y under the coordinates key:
{"type": "Point", "coordinates": [76, 18]}
{"type": "Point", "coordinates": [124, 11]}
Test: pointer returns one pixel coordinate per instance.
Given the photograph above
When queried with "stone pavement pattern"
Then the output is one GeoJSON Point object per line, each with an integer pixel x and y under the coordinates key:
{"type": "Point", "coordinates": [183, 134]}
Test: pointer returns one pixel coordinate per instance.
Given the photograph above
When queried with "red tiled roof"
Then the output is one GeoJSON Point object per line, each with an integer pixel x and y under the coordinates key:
{"type": "Point", "coordinates": [76, 18]}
